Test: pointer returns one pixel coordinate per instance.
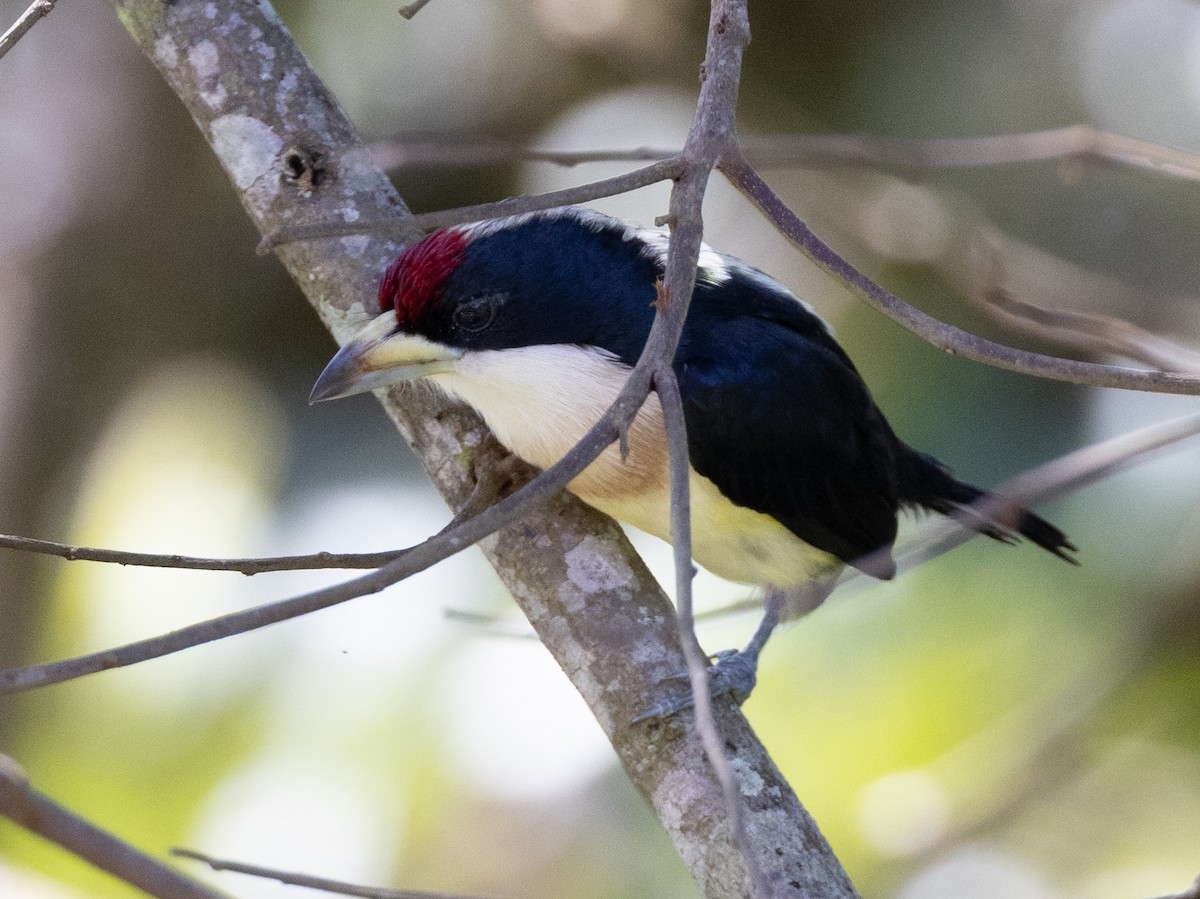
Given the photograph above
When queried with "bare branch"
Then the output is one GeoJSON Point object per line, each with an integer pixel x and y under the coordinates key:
{"type": "Point", "coordinates": [39, 814]}
{"type": "Point", "coordinates": [909, 156]}
{"type": "Point", "coordinates": [1081, 331]}
{"type": "Point", "coordinates": [667, 388]}
{"type": "Point", "coordinates": [942, 335]}
{"type": "Point", "coordinates": [411, 9]}
{"type": "Point", "coordinates": [713, 130]}
{"type": "Point", "coordinates": [442, 152]}
{"type": "Point", "coordinates": [37, 10]}
{"type": "Point", "coordinates": [905, 156]}
{"type": "Point", "coordinates": [607, 187]}
{"type": "Point", "coordinates": [250, 566]}
{"type": "Point", "coordinates": [291, 878]}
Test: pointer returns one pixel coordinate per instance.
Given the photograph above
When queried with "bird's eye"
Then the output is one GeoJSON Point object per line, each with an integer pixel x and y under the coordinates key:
{"type": "Point", "coordinates": [476, 313]}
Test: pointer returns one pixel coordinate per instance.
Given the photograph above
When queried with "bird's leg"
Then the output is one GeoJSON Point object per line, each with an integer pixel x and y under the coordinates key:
{"type": "Point", "coordinates": [735, 671]}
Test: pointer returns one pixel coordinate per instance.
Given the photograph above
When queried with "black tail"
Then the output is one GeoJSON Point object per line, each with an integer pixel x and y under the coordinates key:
{"type": "Point", "coordinates": [926, 482]}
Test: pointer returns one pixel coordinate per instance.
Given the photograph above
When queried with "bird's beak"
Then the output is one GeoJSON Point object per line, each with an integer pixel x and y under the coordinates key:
{"type": "Point", "coordinates": [380, 356]}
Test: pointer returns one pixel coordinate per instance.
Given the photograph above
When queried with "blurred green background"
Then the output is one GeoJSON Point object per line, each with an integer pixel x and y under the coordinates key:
{"type": "Point", "coordinates": [995, 724]}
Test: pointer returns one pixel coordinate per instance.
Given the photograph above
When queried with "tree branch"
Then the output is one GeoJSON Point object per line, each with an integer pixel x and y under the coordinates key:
{"type": "Point", "coordinates": [525, 502]}
{"type": "Point", "coordinates": [915, 156]}
{"type": "Point", "coordinates": [903, 156]}
{"type": "Point", "coordinates": [1000, 261]}
{"type": "Point", "coordinates": [37, 10]}
{"type": "Point", "coordinates": [37, 813]}
{"type": "Point", "coordinates": [581, 193]}
{"type": "Point", "coordinates": [411, 9]}
{"type": "Point", "coordinates": [292, 878]}
{"type": "Point", "coordinates": [946, 337]}
{"type": "Point", "coordinates": [248, 566]}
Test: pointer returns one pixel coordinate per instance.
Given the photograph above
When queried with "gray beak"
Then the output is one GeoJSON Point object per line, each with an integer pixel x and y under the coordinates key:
{"type": "Point", "coordinates": [381, 356]}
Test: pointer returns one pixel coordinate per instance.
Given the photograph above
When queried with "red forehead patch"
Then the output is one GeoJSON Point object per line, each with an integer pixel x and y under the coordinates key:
{"type": "Point", "coordinates": [412, 283]}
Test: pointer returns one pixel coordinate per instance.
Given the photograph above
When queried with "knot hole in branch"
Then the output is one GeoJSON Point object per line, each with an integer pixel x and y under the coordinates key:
{"type": "Point", "coordinates": [304, 168]}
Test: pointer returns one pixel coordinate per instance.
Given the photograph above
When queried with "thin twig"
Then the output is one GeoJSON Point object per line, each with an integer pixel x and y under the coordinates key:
{"type": "Point", "coordinates": [772, 151]}
{"type": "Point", "coordinates": [1082, 331]}
{"type": "Point", "coordinates": [906, 155]}
{"type": "Point", "coordinates": [1088, 332]}
{"type": "Point", "coordinates": [606, 187]}
{"type": "Point", "coordinates": [250, 566]}
{"type": "Point", "coordinates": [667, 388]}
{"type": "Point", "coordinates": [411, 9]}
{"type": "Point", "coordinates": [942, 335]}
{"type": "Point", "coordinates": [39, 814]}
{"type": "Point", "coordinates": [402, 152]}
{"type": "Point", "coordinates": [291, 878]}
{"type": "Point", "coordinates": [712, 133]}
{"type": "Point", "coordinates": [39, 9]}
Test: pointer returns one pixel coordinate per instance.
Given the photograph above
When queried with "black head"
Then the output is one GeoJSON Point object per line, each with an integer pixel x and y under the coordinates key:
{"type": "Point", "coordinates": [569, 276]}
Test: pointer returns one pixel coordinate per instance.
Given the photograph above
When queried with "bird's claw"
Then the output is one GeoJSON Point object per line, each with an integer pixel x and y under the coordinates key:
{"type": "Point", "coordinates": [734, 674]}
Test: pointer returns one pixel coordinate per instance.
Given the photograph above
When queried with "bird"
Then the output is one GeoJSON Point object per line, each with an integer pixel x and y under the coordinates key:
{"type": "Point", "coordinates": [536, 320]}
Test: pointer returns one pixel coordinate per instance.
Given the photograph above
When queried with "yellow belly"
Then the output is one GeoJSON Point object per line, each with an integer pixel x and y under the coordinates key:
{"type": "Point", "coordinates": [731, 541]}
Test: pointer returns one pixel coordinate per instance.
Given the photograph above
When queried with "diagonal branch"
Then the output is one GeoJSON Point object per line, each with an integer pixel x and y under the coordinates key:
{"type": "Point", "coordinates": [913, 156]}
{"type": "Point", "coordinates": [38, 813]}
{"type": "Point", "coordinates": [37, 10]}
{"type": "Point", "coordinates": [1005, 265]}
{"type": "Point", "coordinates": [946, 337]}
{"type": "Point", "coordinates": [411, 9]}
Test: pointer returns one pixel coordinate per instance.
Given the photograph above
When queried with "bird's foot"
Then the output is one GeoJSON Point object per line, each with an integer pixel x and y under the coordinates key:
{"type": "Point", "coordinates": [734, 674]}
{"type": "Point", "coordinates": [736, 670]}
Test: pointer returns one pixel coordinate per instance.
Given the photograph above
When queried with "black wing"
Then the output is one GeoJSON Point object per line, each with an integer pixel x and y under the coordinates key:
{"type": "Point", "coordinates": [779, 419]}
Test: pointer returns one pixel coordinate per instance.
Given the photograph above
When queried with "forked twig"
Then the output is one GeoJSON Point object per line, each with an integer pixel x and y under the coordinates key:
{"type": "Point", "coordinates": [407, 563]}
